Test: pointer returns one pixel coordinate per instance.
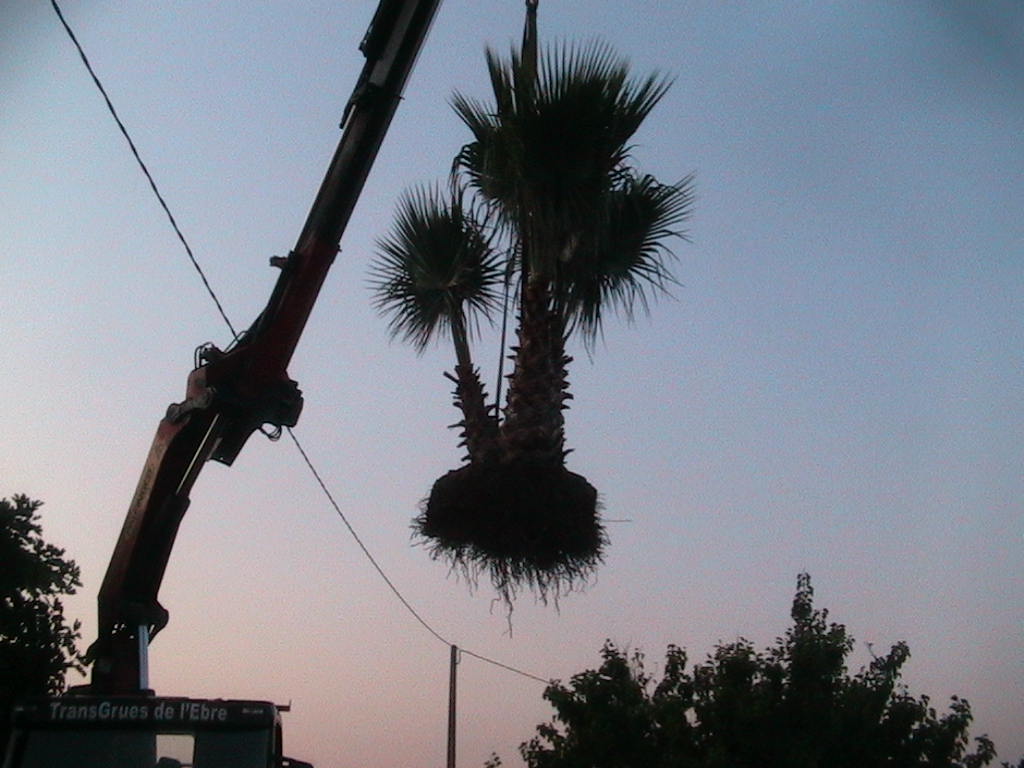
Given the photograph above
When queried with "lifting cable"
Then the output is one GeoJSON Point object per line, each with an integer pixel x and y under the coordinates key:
{"type": "Point", "coordinates": [305, 457]}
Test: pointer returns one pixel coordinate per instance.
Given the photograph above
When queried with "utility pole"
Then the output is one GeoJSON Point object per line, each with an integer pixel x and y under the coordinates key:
{"type": "Point", "coordinates": [453, 663]}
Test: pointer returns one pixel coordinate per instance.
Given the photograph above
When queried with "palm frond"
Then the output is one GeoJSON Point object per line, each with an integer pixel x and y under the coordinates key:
{"type": "Point", "coordinates": [622, 262]}
{"type": "Point", "coordinates": [437, 266]}
{"type": "Point", "coordinates": [548, 161]}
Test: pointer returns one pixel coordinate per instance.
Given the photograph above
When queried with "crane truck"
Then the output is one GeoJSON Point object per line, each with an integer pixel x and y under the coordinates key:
{"type": "Point", "coordinates": [116, 720]}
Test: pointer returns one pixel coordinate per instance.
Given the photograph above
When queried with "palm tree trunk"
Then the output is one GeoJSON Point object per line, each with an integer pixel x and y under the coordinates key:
{"type": "Point", "coordinates": [479, 423]}
{"type": "Point", "coordinates": [534, 426]}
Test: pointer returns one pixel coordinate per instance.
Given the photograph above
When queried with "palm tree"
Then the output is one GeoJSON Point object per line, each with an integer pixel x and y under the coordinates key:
{"type": "Point", "coordinates": [584, 234]}
{"type": "Point", "coordinates": [434, 272]}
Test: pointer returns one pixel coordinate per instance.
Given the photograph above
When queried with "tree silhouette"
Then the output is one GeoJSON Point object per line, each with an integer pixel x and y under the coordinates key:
{"type": "Point", "coordinates": [793, 705]}
{"type": "Point", "coordinates": [37, 646]}
{"type": "Point", "coordinates": [579, 233]}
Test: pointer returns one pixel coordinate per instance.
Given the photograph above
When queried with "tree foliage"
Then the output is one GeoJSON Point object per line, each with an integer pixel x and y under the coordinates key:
{"type": "Point", "coordinates": [37, 645]}
{"type": "Point", "coordinates": [793, 705]}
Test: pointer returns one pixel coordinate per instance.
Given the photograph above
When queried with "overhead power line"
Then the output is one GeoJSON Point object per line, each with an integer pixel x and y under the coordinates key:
{"type": "Point", "coordinates": [145, 170]}
{"type": "Point", "coordinates": [391, 585]}
{"type": "Point", "coordinates": [305, 457]}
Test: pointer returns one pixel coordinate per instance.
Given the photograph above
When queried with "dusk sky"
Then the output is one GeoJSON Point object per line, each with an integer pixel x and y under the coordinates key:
{"type": "Point", "coordinates": [836, 386]}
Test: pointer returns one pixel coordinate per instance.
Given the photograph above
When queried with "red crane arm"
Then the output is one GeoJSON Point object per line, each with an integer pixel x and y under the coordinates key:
{"type": "Point", "coordinates": [232, 393]}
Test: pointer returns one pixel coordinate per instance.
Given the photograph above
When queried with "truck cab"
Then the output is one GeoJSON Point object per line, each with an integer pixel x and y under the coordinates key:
{"type": "Point", "coordinates": [146, 732]}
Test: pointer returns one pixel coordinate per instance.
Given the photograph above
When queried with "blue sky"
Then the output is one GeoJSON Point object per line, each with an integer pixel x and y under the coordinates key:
{"type": "Point", "coordinates": [835, 386]}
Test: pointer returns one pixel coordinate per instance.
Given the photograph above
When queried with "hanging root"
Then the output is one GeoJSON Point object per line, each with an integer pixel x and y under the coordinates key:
{"type": "Point", "coordinates": [523, 524]}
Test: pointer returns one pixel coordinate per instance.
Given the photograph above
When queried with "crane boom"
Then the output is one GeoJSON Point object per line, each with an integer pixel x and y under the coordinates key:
{"type": "Point", "coordinates": [232, 393]}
